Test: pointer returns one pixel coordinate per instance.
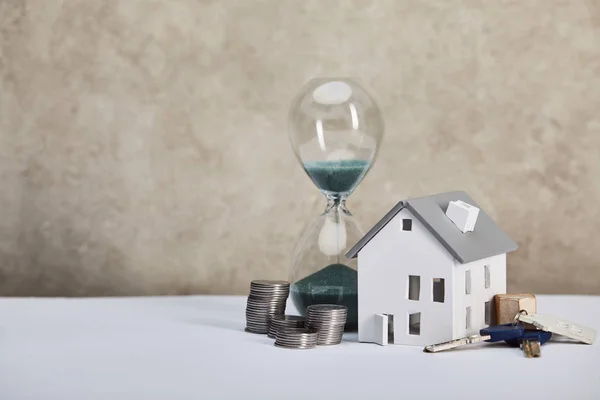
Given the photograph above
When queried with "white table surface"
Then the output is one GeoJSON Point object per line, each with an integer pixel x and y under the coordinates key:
{"type": "Point", "coordinates": [196, 348]}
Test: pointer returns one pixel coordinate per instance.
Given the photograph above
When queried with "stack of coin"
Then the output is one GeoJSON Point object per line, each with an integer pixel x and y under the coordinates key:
{"type": "Point", "coordinates": [328, 320]}
{"type": "Point", "coordinates": [296, 338]}
{"type": "Point", "coordinates": [267, 298]}
{"type": "Point", "coordinates": [284, 321]}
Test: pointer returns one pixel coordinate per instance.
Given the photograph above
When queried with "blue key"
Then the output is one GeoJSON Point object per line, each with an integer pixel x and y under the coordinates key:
{"type": "Point", "coordinates": [531, 341]}
{"type": "Point", "coordinates": [504, 332]}
{"type": "Point", "coordinates": [490, 334]}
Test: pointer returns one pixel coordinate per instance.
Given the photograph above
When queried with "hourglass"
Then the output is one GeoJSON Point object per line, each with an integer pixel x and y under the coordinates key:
{"type": "Point", "coordinates": [335, 130]}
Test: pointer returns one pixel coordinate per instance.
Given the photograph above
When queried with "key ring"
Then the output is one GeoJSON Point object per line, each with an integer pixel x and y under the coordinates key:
{"type": "Point", "coordinates": [521, 312]}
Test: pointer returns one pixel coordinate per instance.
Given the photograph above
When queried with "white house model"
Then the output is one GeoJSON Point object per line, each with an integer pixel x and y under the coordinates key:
{"type": "Point", "coordinates": [429, 270]}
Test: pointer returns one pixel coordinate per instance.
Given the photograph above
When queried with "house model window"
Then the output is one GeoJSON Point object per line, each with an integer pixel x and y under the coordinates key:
{"type": "Point", "coordinates": [486, 272]}
{"type": "Point", "coordinates": [407, 224]}
{"type": "Point", "coordinates": [438, 290]}
{"type": "Point", "coordinates": [468, 318]}
{"type": "Point", "coordinates": [414, 287]}
{"type": "Point", "coordinates": [414, 324]}
{"type": "Point", "coordinates": [488, 312]}
{"type": "Point", "coordinates": [468, 281]}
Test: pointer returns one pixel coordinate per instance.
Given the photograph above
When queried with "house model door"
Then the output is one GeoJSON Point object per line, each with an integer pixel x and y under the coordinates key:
{"type": "Point", "coordinates": [384, 329]}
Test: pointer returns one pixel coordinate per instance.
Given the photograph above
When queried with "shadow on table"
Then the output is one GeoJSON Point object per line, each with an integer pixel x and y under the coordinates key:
{"type": "Point", "coordinates": [350, 337]}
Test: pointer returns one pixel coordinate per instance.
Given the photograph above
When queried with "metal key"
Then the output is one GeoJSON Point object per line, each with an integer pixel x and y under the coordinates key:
{"type": "Point", "coordinates": [559, 326]}
{"type": "Point", "coordinates": [530, 342]}
{"type": "Point", "coordinates": [496, 333]}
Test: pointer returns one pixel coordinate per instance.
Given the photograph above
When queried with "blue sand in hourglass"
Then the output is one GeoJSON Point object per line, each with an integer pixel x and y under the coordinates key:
{"type": "Point", "coordinates": [334, 284]}
{"type": "Point", "coordinates": [337, 176]}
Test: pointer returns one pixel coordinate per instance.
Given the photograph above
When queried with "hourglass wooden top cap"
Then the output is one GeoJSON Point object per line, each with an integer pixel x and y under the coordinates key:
{"type": "Point", "coordinates": [484, 239]}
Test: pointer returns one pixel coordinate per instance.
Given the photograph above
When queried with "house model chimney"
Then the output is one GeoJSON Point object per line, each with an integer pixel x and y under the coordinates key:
{"type": "Point", "coordinates": [463, 215]}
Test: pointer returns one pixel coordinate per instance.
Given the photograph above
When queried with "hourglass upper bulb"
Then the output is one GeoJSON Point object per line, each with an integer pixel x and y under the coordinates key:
{"type": "Point", "coordinates": [335, 128]}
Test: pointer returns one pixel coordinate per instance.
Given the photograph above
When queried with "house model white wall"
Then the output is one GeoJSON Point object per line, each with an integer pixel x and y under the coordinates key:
{"type": "Point", "coordinates": [429, 270]}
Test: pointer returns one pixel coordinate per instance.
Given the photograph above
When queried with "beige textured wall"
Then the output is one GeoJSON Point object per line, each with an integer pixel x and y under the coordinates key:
{"type": "Point", "coordinates": [143, 144]}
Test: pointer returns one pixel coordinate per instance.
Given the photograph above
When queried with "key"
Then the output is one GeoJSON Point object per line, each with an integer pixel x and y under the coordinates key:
{"type": "Point", "coordinates": [559, 326]}
{"type": "Point", "coordinates": [530, 342]}
{"type": "Point", "coordinates": [496, 333]}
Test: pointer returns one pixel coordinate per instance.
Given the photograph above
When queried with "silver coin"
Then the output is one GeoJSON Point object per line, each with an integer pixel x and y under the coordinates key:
{"type": "Point", "coordinates": [279, 320]}
{"type": "Point", "coordinates": [264, 316]}
{"type": "Point", "coordinates": [325, 323]}
{"type": "Point", "coordinates": [256, 321]}
{"type": "Point", "coordinates": [260, 319]}
{"type": "Point", "coordinates": [327, 326]}
{"type": "Point", "coordinates": [257, 325]}
{"type": "Point", "coordinates": [310, 345]}
{"type": "Point", "coordinates": [268, 282]}
{"type": "Point", "coordinates": [326, 307]}
{"type": "Point", "coordinates": [326, 314]}
{"type": "Point", "coordinates": [264, 291]}
{"type": "Point", "coordinates": [267, 298]}
{"type": "Point", "coordinates": [323, 329]}
{"type": "Point", "coordinates": [326, 329]}
{"type": "Point", "coordinates": [331, 336]}
{"type": "Point", "coordinates": [273, 329]}
{"type": "Point", "coordinates": [285, 331]}
{"type": "Point", "coordinates": [264, 308]}
{"type": "Point", "coordinates": [260, 315]}
{"type": "Point", "coordinates": [268, 289]}
{"type": "Point", "coordinates": [326, 310]}
{"type": "Point", "coordinates": [266, 303]}
{"type": "Point", "coordinates": [255, 330]}
{"type": "Point", "coordinates": [326, 318]}
{"type": "Point", "coordinates": [293, 324]}
{"type": "Point", "coordinates": [287, 319]}
{"type": "Point", "coordinates": [296, 338]}
{"type": "Point", "coordinates": [260, 306]}
{"type": "Point", "coordinates": [296, 345]}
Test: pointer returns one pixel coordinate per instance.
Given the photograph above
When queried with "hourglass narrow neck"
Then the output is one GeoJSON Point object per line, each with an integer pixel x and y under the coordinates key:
{"type": "Point", "coordinates": [336, 204]}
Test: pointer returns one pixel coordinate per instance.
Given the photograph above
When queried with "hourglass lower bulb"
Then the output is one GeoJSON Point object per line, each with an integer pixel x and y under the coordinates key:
{"type": "Point", "coordinates": [335, 131]}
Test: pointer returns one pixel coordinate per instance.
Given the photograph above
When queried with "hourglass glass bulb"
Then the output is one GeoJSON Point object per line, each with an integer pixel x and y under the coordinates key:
{"type": "Point", "coordinates": [333, 238]}
{"type": "Point", "coordinates": [335, 130]}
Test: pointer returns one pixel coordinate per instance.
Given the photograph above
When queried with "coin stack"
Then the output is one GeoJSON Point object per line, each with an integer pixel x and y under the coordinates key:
{"type": "Point", "coordinates": [284, 321]}
{"type": "Point", "coordinates": [296, 338]}
{"type": "Point", "coordinates": [328, 320]}
{"type": "Point", "coordinates": [267, 298]}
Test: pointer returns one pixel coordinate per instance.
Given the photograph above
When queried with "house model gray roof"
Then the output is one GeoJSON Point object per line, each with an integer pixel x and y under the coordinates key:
{"type": "Point", "coordinates": [486, 240]}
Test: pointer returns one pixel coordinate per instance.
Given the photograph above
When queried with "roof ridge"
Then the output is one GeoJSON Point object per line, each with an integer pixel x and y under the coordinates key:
{"type": "Point", "coordinates": [487, 241]}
